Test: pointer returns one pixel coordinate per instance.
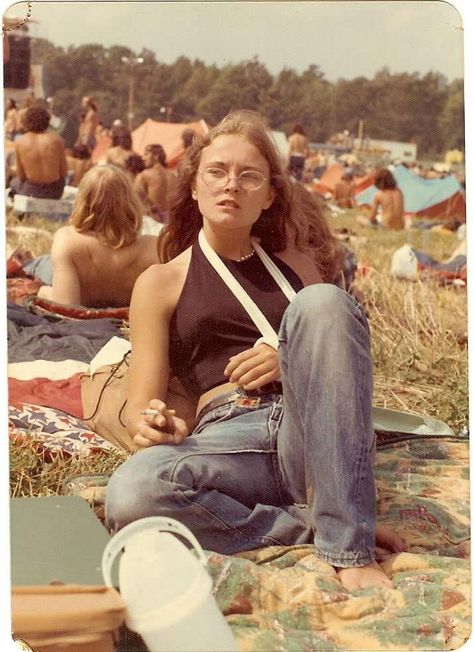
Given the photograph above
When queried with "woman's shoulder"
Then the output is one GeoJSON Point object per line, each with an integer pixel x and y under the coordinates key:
{"type": "Point", "coordinates": [66, 234]}
{"type": "Point", "coordinates": [158, 288]}
{"type": "Point", "coordinates": [166, 275]}
{"type": "Point", "coordinates": [302, 264]}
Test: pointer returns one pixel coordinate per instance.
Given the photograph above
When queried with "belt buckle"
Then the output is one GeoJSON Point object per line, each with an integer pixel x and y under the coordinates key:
{"type": "Point", "coordinates": [242, 399]}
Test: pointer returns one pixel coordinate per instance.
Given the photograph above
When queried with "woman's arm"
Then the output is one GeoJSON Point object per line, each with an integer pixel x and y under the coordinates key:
{"type": "Point", "coordinates": [373, 209]}
{"type": "Point", "coordinates": [150, 312]}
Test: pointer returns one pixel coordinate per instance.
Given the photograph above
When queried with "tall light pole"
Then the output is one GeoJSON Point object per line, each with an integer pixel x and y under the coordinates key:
{"type": "Point", "coordinates": [132, 63]}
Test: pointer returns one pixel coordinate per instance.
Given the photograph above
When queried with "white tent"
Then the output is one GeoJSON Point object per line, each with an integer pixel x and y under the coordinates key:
{"type": "Point", "coordinates": [282, 145]}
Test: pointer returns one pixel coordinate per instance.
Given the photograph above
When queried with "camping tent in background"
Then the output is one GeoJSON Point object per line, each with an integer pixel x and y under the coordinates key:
{"type": "Point", "coordinates": [150, 132]}
{"type": "Point", "coordinates": [333, 174]}
{"type": "Point", "coordinates": [281, 142]}
{"type": "Point", "coordinates": [166, 134]}
{"type": "Point", "coordinates": [435, 198]}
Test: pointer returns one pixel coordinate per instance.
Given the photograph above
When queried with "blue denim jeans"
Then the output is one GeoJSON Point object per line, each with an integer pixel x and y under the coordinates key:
{"type": "Point", "coordinates": [297, 469]}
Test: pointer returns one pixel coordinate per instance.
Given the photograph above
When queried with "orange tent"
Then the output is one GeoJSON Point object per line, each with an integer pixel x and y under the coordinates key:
{"type": "Point", "coordinates": [152, 132]}
{"type": "Point", "coordinates": [333, 174]}
{"type": "Point", "coordinates": [167, 134]}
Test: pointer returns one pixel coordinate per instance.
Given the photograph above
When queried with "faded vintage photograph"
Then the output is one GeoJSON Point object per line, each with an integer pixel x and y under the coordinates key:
{"type": "Point", "coordinates": [236, 326]}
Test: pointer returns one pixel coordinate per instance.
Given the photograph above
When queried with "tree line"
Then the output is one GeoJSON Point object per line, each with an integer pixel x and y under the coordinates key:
{"type": "Point", "coordinates": [409, 107]}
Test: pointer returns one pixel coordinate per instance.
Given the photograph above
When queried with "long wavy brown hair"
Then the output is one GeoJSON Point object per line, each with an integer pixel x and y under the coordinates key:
{"type": "Point", "coordinates": [293, 219]}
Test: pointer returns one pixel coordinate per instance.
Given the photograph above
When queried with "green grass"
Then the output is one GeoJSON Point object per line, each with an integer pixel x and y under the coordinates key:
{"type": "Point", "coordinates": [419, 346]}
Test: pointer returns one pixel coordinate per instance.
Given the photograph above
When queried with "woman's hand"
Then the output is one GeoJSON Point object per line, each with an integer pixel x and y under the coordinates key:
{"type": "Point", "coordinates": [161, 428]}
{"type": "Point", "coordinates": [254, 367]}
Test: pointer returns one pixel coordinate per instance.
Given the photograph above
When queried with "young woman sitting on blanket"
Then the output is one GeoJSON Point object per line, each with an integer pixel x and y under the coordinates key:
{"type": "Point", "coordinates": [282, 449]}
{"type": "Point", "coordinates": [98, 257]}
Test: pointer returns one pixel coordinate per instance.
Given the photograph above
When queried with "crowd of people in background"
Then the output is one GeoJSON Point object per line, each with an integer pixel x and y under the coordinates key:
{"type": "Point", "coordinates": [38, 163]}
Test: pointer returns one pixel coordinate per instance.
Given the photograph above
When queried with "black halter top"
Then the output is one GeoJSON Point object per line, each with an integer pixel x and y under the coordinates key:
{"type": "Point", "coordinates": [209, 325]}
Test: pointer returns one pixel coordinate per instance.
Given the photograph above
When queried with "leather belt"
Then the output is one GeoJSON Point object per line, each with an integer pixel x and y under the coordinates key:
{"type": "Point", "coordinates": [245, 398]}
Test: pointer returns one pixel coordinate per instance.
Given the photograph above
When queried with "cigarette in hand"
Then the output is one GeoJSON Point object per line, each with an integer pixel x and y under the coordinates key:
{"type": "Point", "coordinates": [165, 412]}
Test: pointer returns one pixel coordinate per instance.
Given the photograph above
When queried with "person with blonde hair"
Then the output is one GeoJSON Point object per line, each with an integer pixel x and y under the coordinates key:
{"type": "Point", "coordinates": [97, 258]}
{"type": "Point", "coordinates": [281, 452]}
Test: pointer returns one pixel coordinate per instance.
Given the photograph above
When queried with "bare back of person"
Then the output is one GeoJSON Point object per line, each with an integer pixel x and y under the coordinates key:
{"type": "Point", "coordinates": [298, 145]}
{"type": "Point", "coordinates": [152, 185]}
{"type": "Point", "coordinates": [79, 167]}
{"type": "Point", "coordinates": [88, 127]}
{"type": "Point", "coordinates": [97, 275]}
{"type": "Point", "coordinates": [40, 157]}
{"type": "Point", "coordinates": [391, 202]}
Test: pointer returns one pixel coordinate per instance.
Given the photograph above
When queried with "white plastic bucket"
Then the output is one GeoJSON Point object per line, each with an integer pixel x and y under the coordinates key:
{"type": "Point", "coordinates": [167, 589]}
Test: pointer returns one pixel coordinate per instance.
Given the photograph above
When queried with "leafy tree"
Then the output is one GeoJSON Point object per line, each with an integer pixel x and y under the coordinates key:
{"type": "Point", "coordinates": [451, 121]}
{"type": "Point", "coordinates": [351, 102]}
{"type": "Point", "coordinates": [403, 106]}
{"type": "Point", "coordinates": [197, 87]}
{"type": "Point", "coordinates": [238, 86]}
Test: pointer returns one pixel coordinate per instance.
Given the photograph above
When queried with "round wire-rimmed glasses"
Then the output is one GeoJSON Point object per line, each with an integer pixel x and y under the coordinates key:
{"type": "Point", "coordinates": [218, 178]}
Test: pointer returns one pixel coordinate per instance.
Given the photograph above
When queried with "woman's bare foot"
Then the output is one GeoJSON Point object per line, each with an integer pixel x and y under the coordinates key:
{"type": "Point", "coordinates": [362, 577]}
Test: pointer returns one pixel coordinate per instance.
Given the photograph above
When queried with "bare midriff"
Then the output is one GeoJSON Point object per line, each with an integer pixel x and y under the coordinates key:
{"type": "Point", "coordinates": [212, 393]}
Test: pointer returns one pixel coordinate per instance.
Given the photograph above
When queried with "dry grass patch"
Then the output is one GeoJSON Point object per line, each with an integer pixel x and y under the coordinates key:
{"type": "Point", "coordinates": [419, 328]}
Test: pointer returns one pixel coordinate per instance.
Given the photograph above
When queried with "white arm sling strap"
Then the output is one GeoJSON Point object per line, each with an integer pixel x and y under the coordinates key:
{"type": "Point", "coordinates": [254, 312]}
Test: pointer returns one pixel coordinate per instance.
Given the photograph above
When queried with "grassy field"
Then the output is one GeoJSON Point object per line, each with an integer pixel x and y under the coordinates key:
{"type": "Point", "coordinates": [419, 345]}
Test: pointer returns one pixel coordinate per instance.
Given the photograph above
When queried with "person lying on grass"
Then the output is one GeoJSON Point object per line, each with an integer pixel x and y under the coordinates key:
{"type": "Point", "coordinates": [97, 258]}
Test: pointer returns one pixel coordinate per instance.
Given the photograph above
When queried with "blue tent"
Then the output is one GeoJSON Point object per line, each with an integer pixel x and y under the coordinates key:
{"type": "Point", "coordinates": [421, 195]}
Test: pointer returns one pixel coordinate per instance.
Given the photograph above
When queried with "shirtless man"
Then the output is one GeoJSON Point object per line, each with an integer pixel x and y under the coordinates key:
{"type": "Point", "coordinates": [152, 183]}
{"type": "Point", "coordinates": [88, 125]}
{"type": "Point", "coordinates": [390, 198]}
{"type": "Point", "coordinates": [96, 262]}
{"type": "Point", "coordinates": [40, 158]}
{"type": "Point", "coordinates": [344, 191]}
{"type": "Point", "coordinates": [121, 148]}
{"type": "Point", "coordinates": [298, 150]}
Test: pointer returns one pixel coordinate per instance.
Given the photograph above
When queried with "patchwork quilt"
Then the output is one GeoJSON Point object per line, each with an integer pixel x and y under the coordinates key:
{"type": "Point", "coordinates": [285, 599]}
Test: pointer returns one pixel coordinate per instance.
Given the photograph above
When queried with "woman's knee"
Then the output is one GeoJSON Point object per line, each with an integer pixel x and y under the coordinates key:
{"type": "Point", "coordinates": [323, 300]}
{"type": "Point", "coordinates": [323, 311]}
{"type": "Point", "coordinates": [134, 487]}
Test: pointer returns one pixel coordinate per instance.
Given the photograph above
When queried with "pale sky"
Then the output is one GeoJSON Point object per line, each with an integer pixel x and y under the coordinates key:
{"type": "Point", "coordinates": [345, 38]}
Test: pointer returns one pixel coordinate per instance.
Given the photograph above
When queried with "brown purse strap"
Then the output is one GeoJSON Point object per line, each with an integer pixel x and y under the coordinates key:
{"type": "Point", "coordinates": [112, 375]}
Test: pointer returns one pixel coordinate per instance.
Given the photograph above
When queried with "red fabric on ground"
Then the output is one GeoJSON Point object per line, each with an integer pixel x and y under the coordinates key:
{"type": "Point", "coordinates": [20, 288]}
{"type": "Point", "coordinates": [62, 394]}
